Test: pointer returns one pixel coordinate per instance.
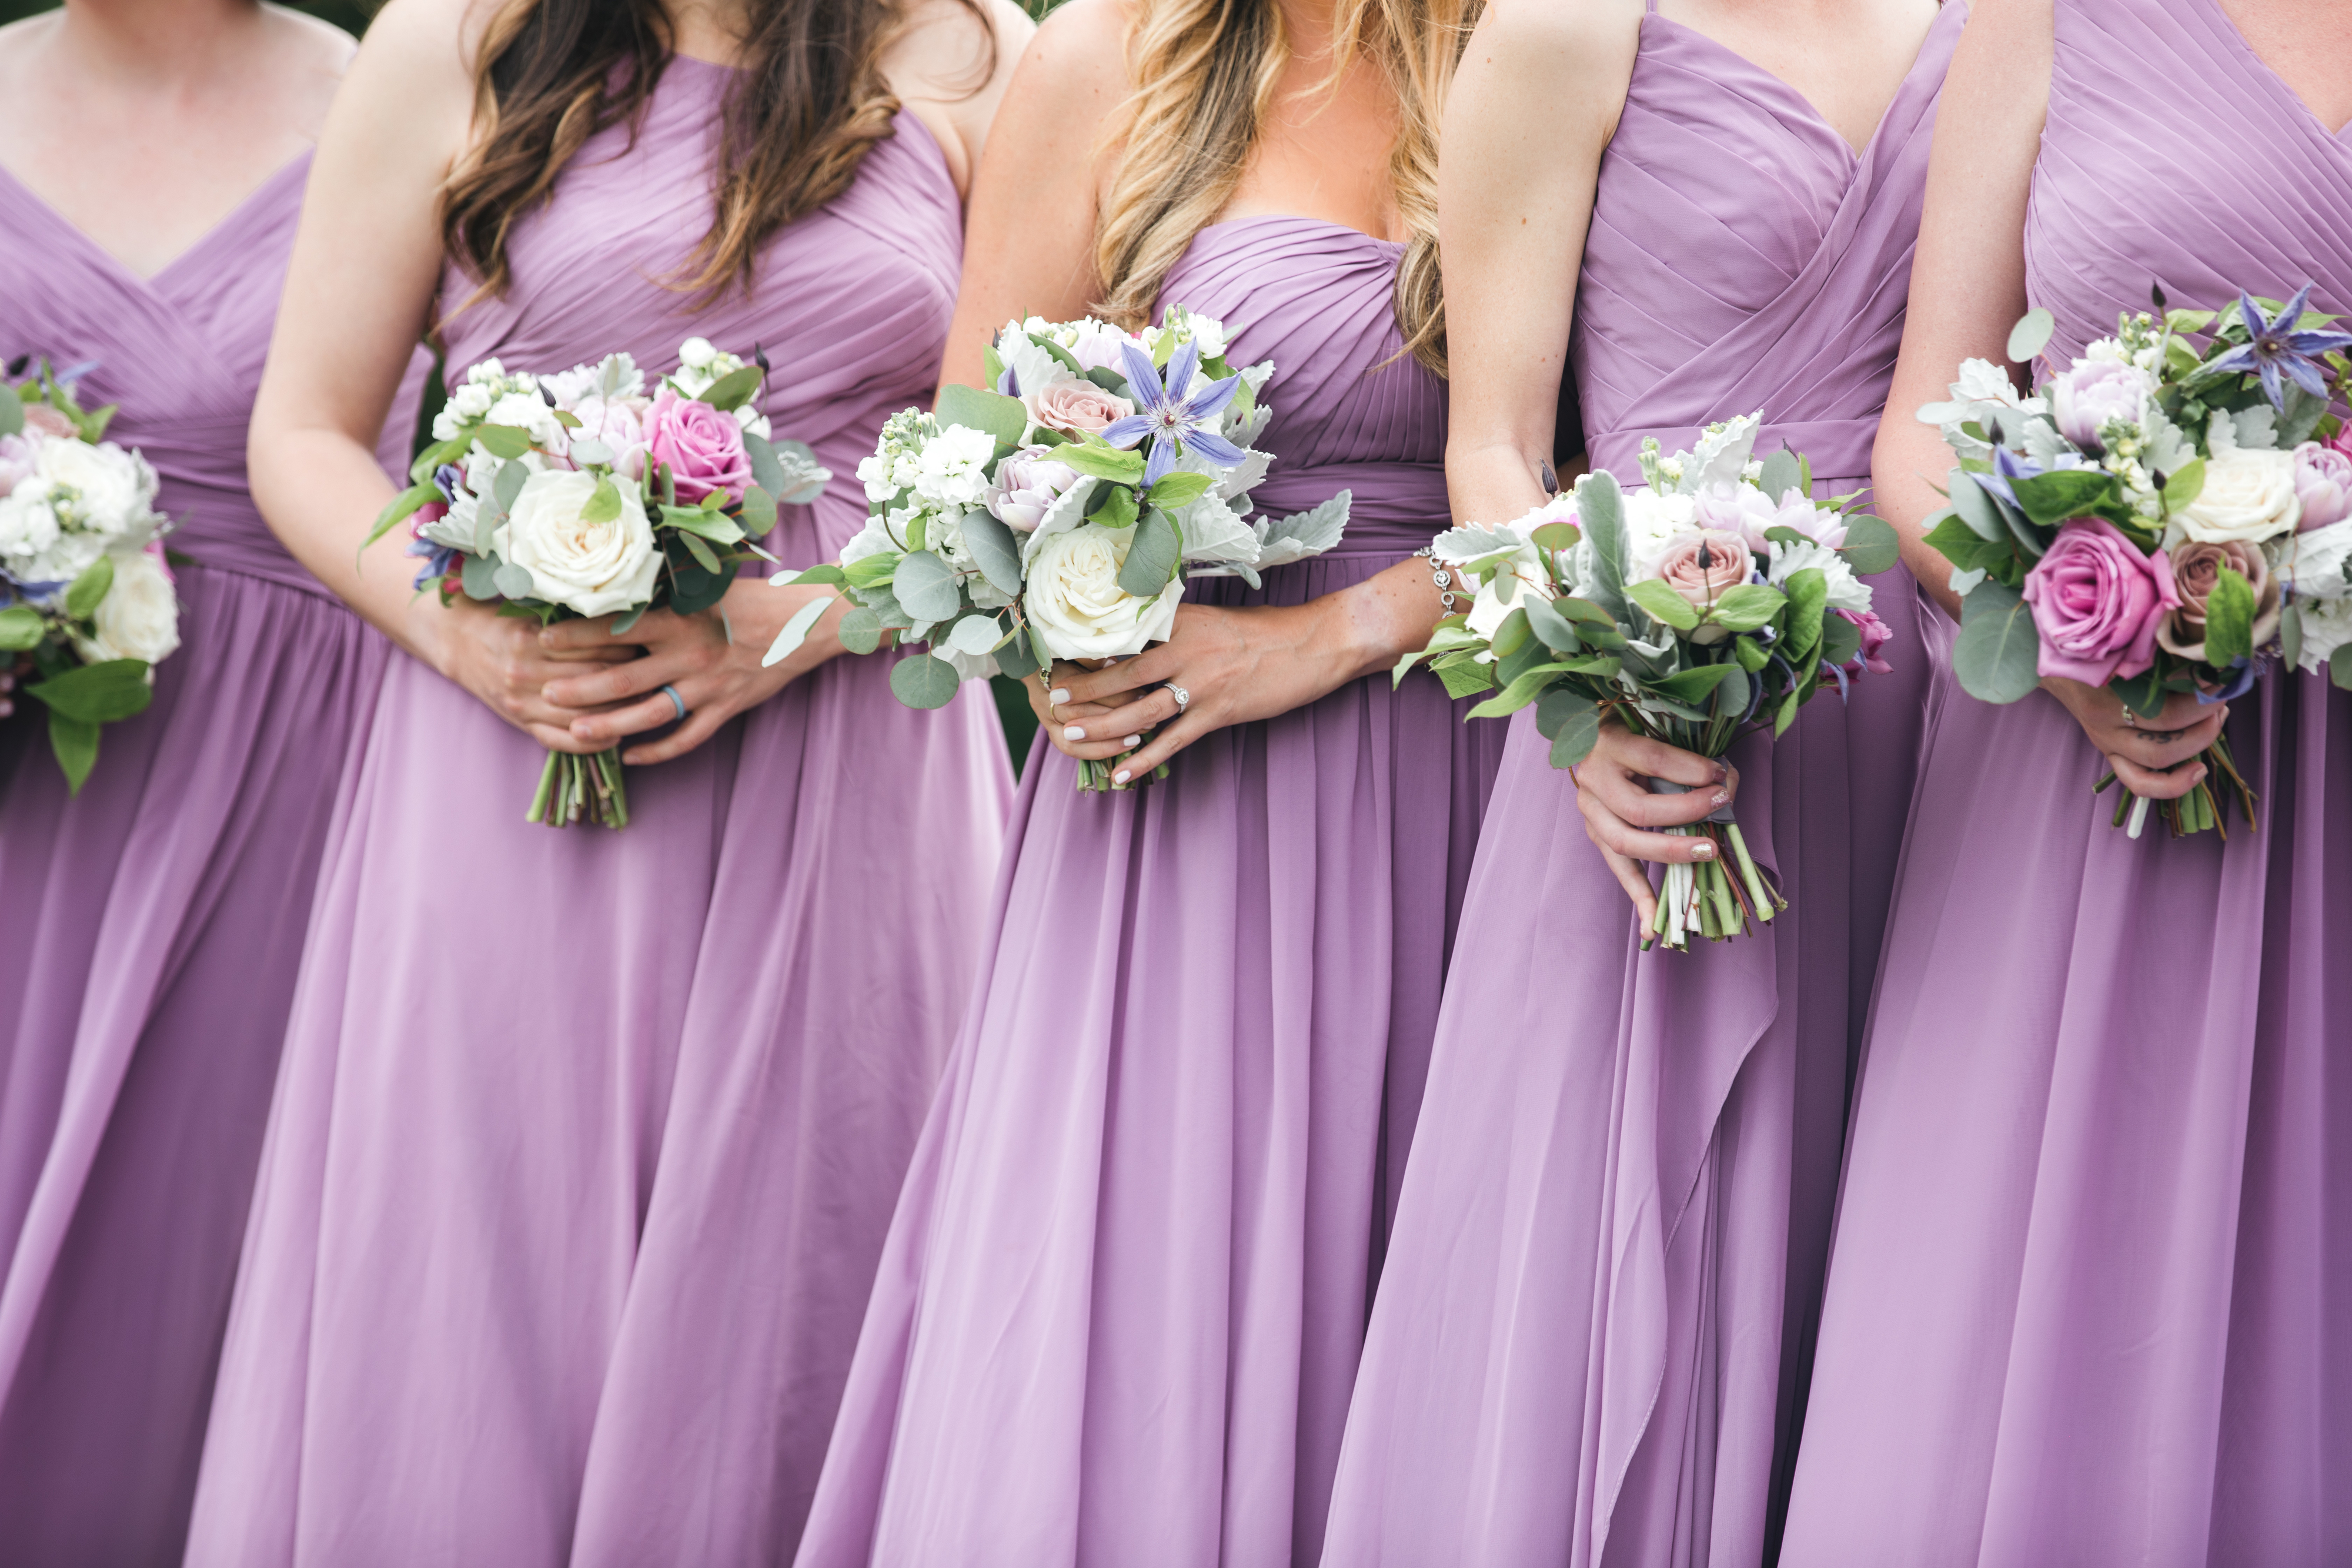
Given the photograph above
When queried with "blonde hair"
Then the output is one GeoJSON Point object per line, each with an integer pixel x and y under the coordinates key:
{"type": "Point", "coordinates": [1206, 72]}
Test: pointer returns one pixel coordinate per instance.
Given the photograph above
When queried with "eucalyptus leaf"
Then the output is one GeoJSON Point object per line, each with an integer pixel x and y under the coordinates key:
{"type": "Point", "coordinates": [604, 502]}
{"type": "Point", "coordinates": [1696, 685]}
{"type": "Point", "coordinates": [1975, 507]}
{"type": "Point", "coordinates": [1841, 640]}
{"type": "Point", "coordinates": [704, 556]}
{"type": "Point", "coordinates": [399, 509]}
{"type": "Point", "coordinates": [1553, 629]}
{"type": "Point", "coordinates": [2031, 334]}
{"type": "Point", "coordinates": [2339, 667]}
{"type": "Point", "coordinates": [1998, 653]}
{"type": "Point", "coordinates": [1577, 735]}
{"type": "Point", "coordinates": [1781, 474]}
{"type": "Point", "coordinates": [626, 620]}
{"type": "Point", "coordinates": [860, 630]}
{"type": "Point", "coordinates": [507, 442]}
{"type": "Point", "coordinates": [995, 548]}
{"type": "Point", "coordinates": [1113, 507]}
{"type": "Point", "coordinates": [12, 410]}
{"type": "Point", "coordinates": [587, 450]}
{"type": "Point", "coordinates": [1017, 658]}
{"type": "Point", "coordinates": [1153, 556]}
{"type": "Point", "coordinates": [795, 632]}
{"type": "Point", "coordinates": [759, 513]}
{"type": "Point", "coordinates": [733, 389]}
{"type": "Point", "coordinates": [514, 582]}
{"type": "Point", "coordinates": [480, 579]}
{"type": "Point", "coordinates": [89, 588]}
{"type": "Point", "coordinates": [975, 634]}
{"type": "Point", "coordinates": [926, 586]}
{"type": "Point", "coordinates": [1731, 697]}
{"type": "Point", "coordinates": [2290, 635]}
{"type": "Point", "coordinates": [923, 681]}
{"type": "Point", "coordinates": [1004, 418]}
{"type": "Point", "coordinates": [1871, 545]}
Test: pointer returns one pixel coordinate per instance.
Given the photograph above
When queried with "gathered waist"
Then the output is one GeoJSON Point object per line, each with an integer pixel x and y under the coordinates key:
{"type": "Point", "coordinates": [1833, 447]}
{"type": "Point", "coordinates": [1393, 508]}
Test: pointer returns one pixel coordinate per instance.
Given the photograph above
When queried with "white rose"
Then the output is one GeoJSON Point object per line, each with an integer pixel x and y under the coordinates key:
{"type": "Point", "coordinates": [2249, 497]}
{"type": "Point", "coordinates": [594, 569]}
{"type": "Point", "coordinates": [140, 616]}
{"type": "Point", "coordinates": [530, 411]}
{"type": "Point", "coordinates": [1075, 600]}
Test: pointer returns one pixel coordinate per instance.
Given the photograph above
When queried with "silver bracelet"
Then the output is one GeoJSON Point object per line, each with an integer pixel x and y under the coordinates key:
{"type": "Point", "coordinates": [1439, 575]}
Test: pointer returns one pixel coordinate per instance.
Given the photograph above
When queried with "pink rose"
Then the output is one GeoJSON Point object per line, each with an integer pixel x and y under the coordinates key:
{"type": "Point", "coordinates": [1026, 483]}
{"type": "Point", "coordinates": [2088, 394]}
{"type": "Point", "coordinates": [2097, 602]}
{"type": "Point", "coordinates": [2323, 482]}
{"type": "Point", "coordinates": [1876, 634]}
{"type": "Point", "coordinates": [1744, 510]}
{"type": "Point", "coordinates": [1080, 408]}
{"type": "Point", "coordinates": [1703, 566]}
{"type": "Point", "coordinates": [43, 419]}
{"type": "Point", "coordinates": [702, 445]}
{"type": "Point", "coordinates": [2195, 569]}
{"type": "Point", "coordinates": [621, 425]}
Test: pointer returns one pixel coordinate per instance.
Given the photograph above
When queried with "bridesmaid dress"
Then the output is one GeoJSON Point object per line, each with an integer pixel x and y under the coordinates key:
{"type": "Point", "coordinates": [1122, 1300]}
{"type": "Point", "coordinates": [2092, 1294]}
{"type": "Point", "coordinates": [1590, 1340]}
{"type": "Point", "coordinates": [149, 927]}
{"type": "Point", "coordinates": [543, 1086]}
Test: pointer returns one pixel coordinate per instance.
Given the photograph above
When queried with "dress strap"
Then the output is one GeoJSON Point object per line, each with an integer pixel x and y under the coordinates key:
{"type": "Point", "coordinates": [1649, 7]}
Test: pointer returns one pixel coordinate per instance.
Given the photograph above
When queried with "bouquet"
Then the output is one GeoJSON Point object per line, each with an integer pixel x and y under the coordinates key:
{"type": "Point", "coordinates": [1715, 601]}
{"type": "Point", "coordinates": [1059, 515]}
{"type": "Point", "coordinates": [84, 592]}
{"type": "Point", "coordinates": [2158, 519]}
{"type": "Point", "coordinates": [577, 495]}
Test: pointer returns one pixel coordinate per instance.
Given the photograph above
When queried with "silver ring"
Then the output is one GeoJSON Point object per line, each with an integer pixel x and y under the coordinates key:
{"type": "Point", "coordinates": [676, 701]}
{"type": "Point", "coordinates": [1181, 695]}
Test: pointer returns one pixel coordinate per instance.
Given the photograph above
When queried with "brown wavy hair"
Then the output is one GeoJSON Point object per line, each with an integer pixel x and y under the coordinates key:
{"type": "Point", "coordinates": [807, 104]}
{"type": "Point", "coordinates": [1205, 73]}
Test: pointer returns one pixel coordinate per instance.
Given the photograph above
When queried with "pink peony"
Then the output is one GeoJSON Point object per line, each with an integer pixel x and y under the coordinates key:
{"type": "Point", "coordinates": [1876, 634]}
{"type": "Point", "coordinates": [1026, 483]}
{"type": "Point", "coordinates": [2097, 603]}
{"type": "Point", "coordinates": [1727, 565]}
{"type": "Point", "coordinates": [1744, 510]}
{"type": "Point", "coordinates": [1076, 407]}
{"type": "Point", "coordinates": [2323, 483]}
{"type": "Point", "coordinates": [702, 445]}
{"type": "Point", "coordinates": [2089, 393]}
{"type": "Point", "coordinates": [2195, 569]}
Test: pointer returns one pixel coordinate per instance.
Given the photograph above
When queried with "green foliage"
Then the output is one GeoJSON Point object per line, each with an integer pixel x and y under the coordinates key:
{"type": "Point", "coordinates": [1153, 556]}
{"type": "Point", "coordinates": [2229, 618]}
{"type": "Point", "coordinates": [921, 681]}
{"type": "Point", "coordinates": [1000, 416]}
{"type": "Point", "coordinates": [1998, 653]}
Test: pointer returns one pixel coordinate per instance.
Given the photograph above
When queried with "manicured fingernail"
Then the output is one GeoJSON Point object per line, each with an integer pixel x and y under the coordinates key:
{"type": "Point", "coordinates": [1702, 852]}
{"type": "Point", "coordinates": [1722, 770]}
{"type": "Point", "coordinates": [1074, 732]}
{"type": "Point", "coordinates": [1121, 777]}
{"type": "Point", "coordinates": [1722, 798]}
{"type": "Point", "coordinates": [1132, 740]}
{"type": "Point", "coordinates": [1058, 694]}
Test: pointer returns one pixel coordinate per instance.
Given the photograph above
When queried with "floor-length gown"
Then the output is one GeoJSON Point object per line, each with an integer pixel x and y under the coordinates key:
{"type": "Point", "coordinates": [518, 1053]}
{"type": "Point", "coordinates": [1592, 1327]}
{"type": "Point", "coordinates": [2090, 1300]}
{"type": "Point", "coordinates": [1122, 1300]}
{"type": "Point", "coordinates": [149, 927]}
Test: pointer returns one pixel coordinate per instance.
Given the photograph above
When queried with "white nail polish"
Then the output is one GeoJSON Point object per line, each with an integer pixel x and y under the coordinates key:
{"type": "Point", "coordinates": [1132, 740]}
{"type": "Point", "coordinates": [1121, 777]}
{"type": "Point", "coordinates": [1058, 694]}
{"type": "Point", "coordinates": [1074, 732]}
{"type": "Point", "coordinates": [1702, 852]}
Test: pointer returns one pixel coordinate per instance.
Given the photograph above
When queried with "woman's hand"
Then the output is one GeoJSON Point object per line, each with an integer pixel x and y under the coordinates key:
{"type": "Point", "coordinates": [2155, 759]}
{"type": "Point", "coordinates": [710, 659]}
{"type": "Point", "coordinates": [501, 659]}
{"type": "Point", "coordinates": [1621, 817]}
{"type": "Point", "coordinates": [1233, 666]}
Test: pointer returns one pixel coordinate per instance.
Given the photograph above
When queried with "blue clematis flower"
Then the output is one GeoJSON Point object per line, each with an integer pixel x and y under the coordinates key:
{"type": "Point", "coordinates": [1173, 421]}
{"type": "Point", "coordinates": [2278, 350]}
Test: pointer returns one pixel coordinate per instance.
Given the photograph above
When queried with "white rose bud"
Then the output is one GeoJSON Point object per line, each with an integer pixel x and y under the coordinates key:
{"type": "Point", "coordinates": [595, 569]}
{"type": "Point", "coordinates": [696, 353]}
{"type": "Point", "coordinates": [140, 616]}
{"type": "Point", "coordinates": [2249, 497]}
{"type": "Point", "coordinates": [1075, 600]}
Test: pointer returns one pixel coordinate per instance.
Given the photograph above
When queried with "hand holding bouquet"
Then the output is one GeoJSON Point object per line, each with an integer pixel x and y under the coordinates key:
{"type": "Point", "coordinates": [578, 494]}
{"type": "Point", "coordinates": [85, 593]}
{"type": "Point", "coordinates": [2158, 520]}
{"type": "Point", "coordinates": [1057, 517]}
{"type": "Point", "coordinates": [1715, 601]}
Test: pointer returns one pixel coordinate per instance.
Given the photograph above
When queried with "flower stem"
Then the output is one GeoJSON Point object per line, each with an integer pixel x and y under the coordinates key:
{"type": "Point", "coordinates": [539, 800]}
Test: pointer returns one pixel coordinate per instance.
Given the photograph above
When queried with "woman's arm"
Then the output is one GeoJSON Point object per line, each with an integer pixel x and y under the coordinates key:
{"type": "Point", "coordinates": [1967, 289]}
{"type": "Point", "coordinates": [367, 259]}
{"type": "Point", "coordinates": [946, 73]}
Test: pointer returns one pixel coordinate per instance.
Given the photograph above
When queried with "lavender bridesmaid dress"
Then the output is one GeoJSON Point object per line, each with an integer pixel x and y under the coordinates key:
{"type": "Point", "coordinates": [1122, 1300]}
{"type": "Point", "coordinates": [150, 928]}
{"type": "Point", "coordinates": [1592, 1327]}
{"type": "Point", "coordinates": [545, 1088]}
{"type": "Point", "coordinates": [2091, 1295]}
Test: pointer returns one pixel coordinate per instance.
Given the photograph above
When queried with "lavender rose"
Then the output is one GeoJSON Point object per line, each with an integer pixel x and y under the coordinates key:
{"type": "Point", "coordinates": [1076, 407]}
{"type": "Point", "coordinates": [2196, 566]}
{"type": "Point", "coordinates": [702, 445]}
{"type": "Point", "coordinates": [620, 423]}
{"type": "Point", "coordinates": [2090, 392]}
{"type": "Point", "coordinates": [2323, 483]}
{"type": "Point", "coordinates": [2097, 603]}
{"type": "Point", "coordinates": [1026, 483]}
{"type": "Point", "coordinates": [1703, 566]}
{"type": "Point", "coordinates": [1744, 510]}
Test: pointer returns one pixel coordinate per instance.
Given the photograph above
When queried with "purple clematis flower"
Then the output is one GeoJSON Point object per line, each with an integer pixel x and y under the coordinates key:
{"type": "Point", "coordinates": [2279, 351]}
{"type": "Point", "coordinates": [2008, 465]}
{"type": "Point", "coordinates": [1173, 423]}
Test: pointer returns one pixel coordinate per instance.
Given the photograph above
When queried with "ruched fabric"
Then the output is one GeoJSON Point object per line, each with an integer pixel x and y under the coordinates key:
{"type": "Point", "coordinates": [587, 1140]}
{"type": "Point", "coordinates": [2092, 1297]}
{"type": "Point", "coordinates": [1590, 1341]}
{"type": "Point", "coordinates": [1121, 1307]}
{"type": "Point", "coordinates": [150, 928]}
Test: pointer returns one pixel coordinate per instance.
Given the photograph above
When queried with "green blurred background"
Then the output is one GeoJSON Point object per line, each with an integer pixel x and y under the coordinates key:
{"type": "Point", "coordinates": [352, 15]}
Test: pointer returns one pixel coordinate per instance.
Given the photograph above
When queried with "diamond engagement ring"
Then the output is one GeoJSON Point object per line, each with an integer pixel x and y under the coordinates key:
{"type": "Point", "coordinates": [1181, 695]}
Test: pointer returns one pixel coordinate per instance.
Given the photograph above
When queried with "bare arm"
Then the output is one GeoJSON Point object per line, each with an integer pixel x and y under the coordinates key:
{"type": "Point", "coordinates": [1533, 110]}
{"type": "Point", "coordinates": [1968, 288]}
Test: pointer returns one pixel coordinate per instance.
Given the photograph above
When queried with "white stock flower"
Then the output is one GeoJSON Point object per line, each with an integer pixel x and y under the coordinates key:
{"type": "Point", "coordinates": [1984, 391]}
{"type": "Point", "coordinates": [2249, 496]}
{"type": "Point", "coordinates": [1847, 591]}
{"type": "Point", "coordinates": [592, 567]}
{"type": "Point", "coordinates": [952, 467]}
{"type": "Point", "coordinates": [528, 412]}
{"type": "Point", "coordinates": [1654, 522]}
{"type": "Point", "coordinates": [1075, 601]}
{"type": "Point", "coordinates": [140, 616]}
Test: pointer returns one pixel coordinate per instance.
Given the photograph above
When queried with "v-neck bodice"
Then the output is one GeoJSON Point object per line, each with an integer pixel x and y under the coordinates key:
{"type": "Point", "coordinates": [181, 353]}
{"type": "Point", "coordinates": [1743, 256]}
{"type": "Point", "coordinates": [2136, 188]}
